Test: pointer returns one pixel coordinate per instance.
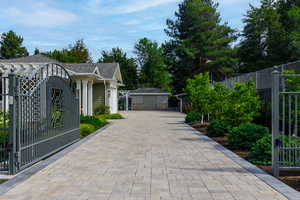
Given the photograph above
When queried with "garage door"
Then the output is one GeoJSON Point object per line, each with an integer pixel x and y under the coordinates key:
{"type": "Point", "coordinates": [149, 103]}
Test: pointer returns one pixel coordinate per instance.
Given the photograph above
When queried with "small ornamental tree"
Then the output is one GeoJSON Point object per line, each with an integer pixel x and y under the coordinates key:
{"type": "Point", "coordinates": [219, 101]}
{"type": "Point", "coordinates": [244, 104]}
{"type": "Point", "coordinates": [198, 90]}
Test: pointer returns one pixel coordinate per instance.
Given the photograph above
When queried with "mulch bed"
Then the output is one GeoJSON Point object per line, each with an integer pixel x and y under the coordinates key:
{"type": "Point", "coordinates": [290, 178]}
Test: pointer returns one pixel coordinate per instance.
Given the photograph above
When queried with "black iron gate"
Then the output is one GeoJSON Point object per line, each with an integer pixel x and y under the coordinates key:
{"type": "Point", "coordinates": [43, 117]}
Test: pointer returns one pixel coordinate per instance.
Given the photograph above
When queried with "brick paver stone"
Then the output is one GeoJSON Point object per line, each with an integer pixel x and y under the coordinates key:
{"type": "Point", "coordinates": [149, 155]}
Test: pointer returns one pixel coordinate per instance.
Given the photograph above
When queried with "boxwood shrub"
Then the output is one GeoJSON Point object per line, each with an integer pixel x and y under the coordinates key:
{"type": "Point", "coordinates": [110, 116]}
{"type": "Point", "coordinates": [192, 117]}
{"type": "Point", "coordinates": [86, 129]}
{"type": "Point", "coordinates": [115, 116]}
{"type": "Point", "coordinates": [245, 136]}
{"type": "Point", "coordinates": [218, 128]}
{"type": "Point", "coordinates": [261, 151]}
{"type": "Point", "coordinates": [96, 122]}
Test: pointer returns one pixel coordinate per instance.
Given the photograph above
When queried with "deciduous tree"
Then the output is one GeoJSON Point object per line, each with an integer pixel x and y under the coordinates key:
{"type": "Point", "coordinates": [127, 65]}
{"type": "Point", "coordinates": [154, 72]}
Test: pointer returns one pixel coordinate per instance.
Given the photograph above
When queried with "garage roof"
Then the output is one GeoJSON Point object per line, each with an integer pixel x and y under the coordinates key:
{"type": "Point", "coordinates": [149, 91]}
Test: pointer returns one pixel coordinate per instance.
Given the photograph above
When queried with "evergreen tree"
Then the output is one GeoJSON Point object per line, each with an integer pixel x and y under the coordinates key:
{"type": "Point", "coordinates": [127, 65]}
{"type": "Point", "coordinates": [36, 51]}
{"type": "Point", "coordinates": [154, 72]}
{"type": "Point", "coordinates": [199, 42]}
{"type": "Point", "coordinates": [11, 46]}
{"type": "Point", "coordinates": [271, 35]}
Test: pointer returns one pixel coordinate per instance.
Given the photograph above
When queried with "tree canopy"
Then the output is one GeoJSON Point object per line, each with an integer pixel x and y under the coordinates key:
{"type": "Point", "coordinates": [76, 53]}
{"type": "Point", "coordinates": [154, 71]}
{"type": "Point", "coordinates": [127, 65]}
{"type": "Point", "coordinates": [271, 35]}
{"type": "Point", "coordinates": [11, 46]}
{"type": "Point", "coordinates": [199, 42]}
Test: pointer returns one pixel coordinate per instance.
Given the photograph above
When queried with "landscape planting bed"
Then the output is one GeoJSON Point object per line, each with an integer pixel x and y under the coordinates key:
{"type": "Point", "coordinates": [290, 178]}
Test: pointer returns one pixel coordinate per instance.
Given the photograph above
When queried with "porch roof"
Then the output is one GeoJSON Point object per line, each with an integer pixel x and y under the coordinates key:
{"type": "Point", "coordinates": [30, 63]}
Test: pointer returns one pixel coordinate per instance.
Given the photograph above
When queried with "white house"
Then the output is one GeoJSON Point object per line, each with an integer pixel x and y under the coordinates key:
{"type": "Point", "coordinates": [97, 83]}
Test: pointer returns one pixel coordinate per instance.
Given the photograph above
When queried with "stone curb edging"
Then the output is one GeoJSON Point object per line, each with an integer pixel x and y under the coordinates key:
{"type": "Point", "coordinates": [27, 173]}
{"type": "Point", "coordinates": [276, 184]}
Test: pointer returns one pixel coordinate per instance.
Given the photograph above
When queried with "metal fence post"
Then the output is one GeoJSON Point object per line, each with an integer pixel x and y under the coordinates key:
{"type": "Point", "coordinates": [275, 122]}
{"type": "Point", "coordinates": [12, 124]}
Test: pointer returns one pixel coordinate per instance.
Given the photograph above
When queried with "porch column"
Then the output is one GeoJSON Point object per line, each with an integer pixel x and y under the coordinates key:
{"type": "Point", "coordinates": [84, 97]}
{"type": "Point", "coordinates": [90, 98]}
{"type": "Point", "coordinates": [78, 86]}
{"type": "Point", "coordinates": [6, 106]}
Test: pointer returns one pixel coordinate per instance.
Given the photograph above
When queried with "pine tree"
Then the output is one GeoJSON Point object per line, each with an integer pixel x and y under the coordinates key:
{"type": "Point", "coordinates": [271, 35]}
{"type": "Point", "coordinates": [11, 46]}
{"type": "Point", "coordinates": [199, 42]}
{"type": "Point", "coordinates": [36, 51]}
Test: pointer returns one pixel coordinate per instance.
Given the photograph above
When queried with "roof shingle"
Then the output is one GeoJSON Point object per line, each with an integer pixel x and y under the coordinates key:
{"type": "Point", "coordinates": [107, 70]}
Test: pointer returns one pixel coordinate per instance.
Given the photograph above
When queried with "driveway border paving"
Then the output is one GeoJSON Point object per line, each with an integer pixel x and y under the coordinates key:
{"type": "Point", "coordinates": [276, 184]}
{"type": "Point", "coordinates": [27, 173]}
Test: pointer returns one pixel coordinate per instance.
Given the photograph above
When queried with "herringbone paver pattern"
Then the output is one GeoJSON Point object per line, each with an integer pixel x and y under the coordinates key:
{"type": "Point", "coordinates": [149, 155]}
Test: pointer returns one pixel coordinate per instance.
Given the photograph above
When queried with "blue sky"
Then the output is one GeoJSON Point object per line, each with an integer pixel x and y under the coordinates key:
{"type": "Point", "coordinates": [103, 24]}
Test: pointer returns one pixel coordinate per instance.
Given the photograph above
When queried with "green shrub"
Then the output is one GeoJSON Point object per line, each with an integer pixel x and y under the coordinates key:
{"type": "Point", "coordinates": [110, 116]}
{"type": "Point", "coordinates": [97, 123]}
{"type": "Point", "coordinates": [243, 105]}
{"type": "Point", "coordinates": [101, 110]}
{"type": "Point", "coordinates": [245, 136]}
{"type": "Point", "coordinates": [261, 151]}
{"type": "Point", "coordinates": [192, 117]}
{"type": "Point", "coordinates": [115, 116]}
{"type": "Point", "coordinates": [86, 129]}
{"type": "Point", "coordinates": [218, 128]}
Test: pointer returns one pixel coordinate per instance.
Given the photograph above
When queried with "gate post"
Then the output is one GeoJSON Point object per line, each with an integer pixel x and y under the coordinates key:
{"type": "Point", "coordinates": [12, 123]}
{"type": "Point", "coordinates": [275, 122]}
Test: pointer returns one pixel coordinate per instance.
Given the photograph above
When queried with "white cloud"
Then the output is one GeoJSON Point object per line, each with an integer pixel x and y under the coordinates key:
{"type": "Point", "coordinates": [44, 44]}
{"type": "Point", "coordinates": [153, 27]}
{"type": "Point", "coordinates": [132, 22]}
{"type": "Point", "coordinates": [40, 15]}
{"type": "Point", "coordinates": [135, 6]}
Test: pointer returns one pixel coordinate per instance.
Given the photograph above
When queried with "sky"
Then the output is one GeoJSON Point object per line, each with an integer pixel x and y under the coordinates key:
{"type": "Point", "coordinates": [103, 24]}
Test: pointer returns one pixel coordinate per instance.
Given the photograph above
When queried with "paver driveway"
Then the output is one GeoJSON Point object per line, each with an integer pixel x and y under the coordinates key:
{"type": "Point", "coordinates": [149, 155]}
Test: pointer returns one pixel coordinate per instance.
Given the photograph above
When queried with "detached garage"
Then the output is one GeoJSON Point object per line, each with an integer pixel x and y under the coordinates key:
{"type": "Point", "coordinates": [149, 99]}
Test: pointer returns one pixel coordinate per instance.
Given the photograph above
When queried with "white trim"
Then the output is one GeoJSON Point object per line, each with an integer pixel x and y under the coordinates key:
{"type": "Point", "coordinates": [118, 70]}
